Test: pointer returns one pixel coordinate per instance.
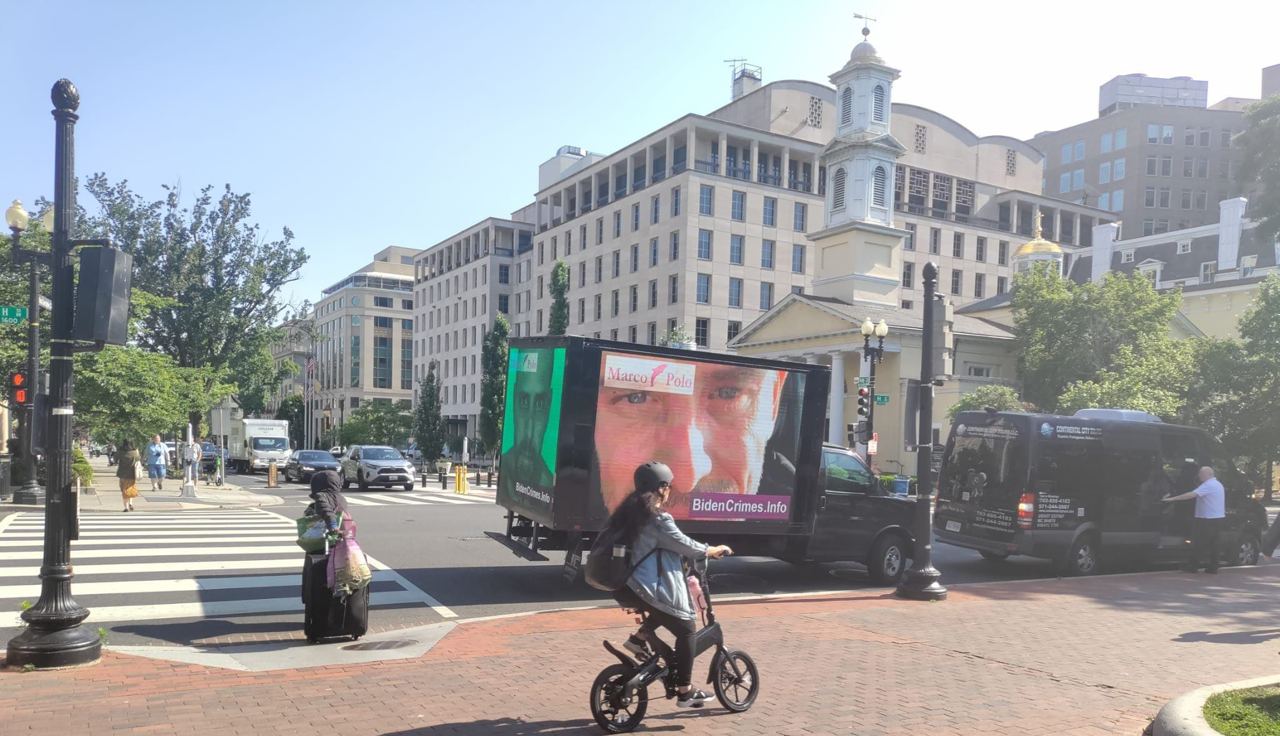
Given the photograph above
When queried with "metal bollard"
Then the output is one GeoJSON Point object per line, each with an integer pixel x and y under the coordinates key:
{"type": "Point", "coordinates": [273, 475]}
{"type": "Point", "coordinates": [444, 484]}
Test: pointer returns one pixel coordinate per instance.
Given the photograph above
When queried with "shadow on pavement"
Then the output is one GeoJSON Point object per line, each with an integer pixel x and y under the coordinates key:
{"type": "Point", "coordinates": [190, 632]}
{"type": "Point", "coordinates": [515, 727]}
{"type": "Point", "coordinates": [1233, 637]}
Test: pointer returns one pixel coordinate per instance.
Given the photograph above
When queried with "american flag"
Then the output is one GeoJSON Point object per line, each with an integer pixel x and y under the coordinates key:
{"type": "Point", "coordinates": [310, 367]}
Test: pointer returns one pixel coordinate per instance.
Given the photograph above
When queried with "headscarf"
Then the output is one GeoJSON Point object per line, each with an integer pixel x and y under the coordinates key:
{"type": "Point", "coordinates": [326, 481]}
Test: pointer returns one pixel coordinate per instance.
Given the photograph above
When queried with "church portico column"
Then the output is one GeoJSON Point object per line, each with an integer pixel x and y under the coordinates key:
{"type": "Point", "coordinates": [835, 409]}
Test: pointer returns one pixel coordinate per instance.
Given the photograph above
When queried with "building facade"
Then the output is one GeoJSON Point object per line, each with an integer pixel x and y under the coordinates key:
{"type": "Point", "coordinates": [364, 341]}
{"type": "Point", "coordinates": [1156, 167]}
{"type": "Point", "coordinates": [294, 347]}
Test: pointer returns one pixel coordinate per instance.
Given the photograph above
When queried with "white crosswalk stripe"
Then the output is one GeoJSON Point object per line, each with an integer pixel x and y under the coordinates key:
{"type": "Point", "coordinates": [197, 564]}
{"type": "Point", "coordinates": [400, 498]}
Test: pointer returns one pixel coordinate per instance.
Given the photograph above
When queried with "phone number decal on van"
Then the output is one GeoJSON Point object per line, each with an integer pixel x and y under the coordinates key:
{"type": "Point", "coordinates": [989, 519]}
{"type": "Point", "coordinates": [1070, 431]}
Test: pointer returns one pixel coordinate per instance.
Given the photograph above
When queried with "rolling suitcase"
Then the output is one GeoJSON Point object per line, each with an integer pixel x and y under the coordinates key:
{"type": "Point", "coordinates": [325, 616]}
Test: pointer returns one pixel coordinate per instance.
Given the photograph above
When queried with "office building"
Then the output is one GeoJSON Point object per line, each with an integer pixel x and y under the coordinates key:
{"type": "Point", "coordinates": [294, 347]}
{"type": "Point", "coordinates": [1131, 90]}
{"type": "Point", "coordinates": [364, 340]}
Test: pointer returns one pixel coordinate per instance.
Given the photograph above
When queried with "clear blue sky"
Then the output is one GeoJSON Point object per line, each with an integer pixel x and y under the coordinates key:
{"type": "Point", "coordinates": [361, 125]}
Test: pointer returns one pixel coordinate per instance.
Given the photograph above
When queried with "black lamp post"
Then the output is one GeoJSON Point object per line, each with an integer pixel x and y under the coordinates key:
{"type": "Point", "coordinates": [874, 356]}
{"type": "Point", "coordinates": [54, 637]}
{"type": "Point", "coordinates": [921, 583]}
{"type": "Point", "coordinates": [17, 218]}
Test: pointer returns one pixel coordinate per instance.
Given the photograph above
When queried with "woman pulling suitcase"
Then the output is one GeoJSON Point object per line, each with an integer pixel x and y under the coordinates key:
{"type": "Point", "coordinates": [335, 583]}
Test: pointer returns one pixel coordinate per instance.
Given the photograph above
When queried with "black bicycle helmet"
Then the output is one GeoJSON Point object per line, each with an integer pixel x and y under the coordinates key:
{"type": "Point", "coordinates": [651, 475]}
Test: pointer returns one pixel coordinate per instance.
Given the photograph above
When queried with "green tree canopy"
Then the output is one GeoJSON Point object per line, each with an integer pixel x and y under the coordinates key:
{"type": "Point", "coordinates": [1259, 172]}
{"type": "Point", "coordinates": [378, 423]}
{"type": "Point", "coordinates": [1069, 333]}
{"type": "Point", "coordinates": [493, 384]}
{"type": "Point", "coordinates": [428, 422]}
{"type": "Point", "coordinates": [1000, 398]}
{"type": "Point", "coordinates": [293, 409]}
{"type": "Point", "coordinates": [1152, 376]}
{"type": "Point", "coordinates": [559, 299]}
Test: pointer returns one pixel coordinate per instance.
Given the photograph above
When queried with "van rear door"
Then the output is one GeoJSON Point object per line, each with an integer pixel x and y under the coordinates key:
{"type": "Point", "coordinates": [984, 473]}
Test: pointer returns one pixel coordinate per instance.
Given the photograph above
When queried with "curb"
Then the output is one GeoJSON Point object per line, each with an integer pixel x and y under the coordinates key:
{"type": "Point", "coordinates": [1184, 715]}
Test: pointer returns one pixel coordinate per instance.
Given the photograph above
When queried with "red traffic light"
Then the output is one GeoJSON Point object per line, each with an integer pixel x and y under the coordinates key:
{"type": "Point", "coordinates": [18, 388]}
{"type": "Point", "coordinates": [864, 392]}
{"type": "Point", "coordinates": [20, 395]}
{"type": "Point", "coordinates": [17, 379]}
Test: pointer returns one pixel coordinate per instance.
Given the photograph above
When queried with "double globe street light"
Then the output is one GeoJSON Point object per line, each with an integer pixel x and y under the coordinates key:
{"type": "Point", "coordinates": [873, 356]}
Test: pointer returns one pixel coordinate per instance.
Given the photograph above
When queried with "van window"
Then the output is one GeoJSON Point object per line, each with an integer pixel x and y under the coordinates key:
{"type": "Point", "coordinates": [1179, 453]}
{"type": "Point", "coordinates": [846, 473]}
{"type": "Point", "coordinates": [991, 458]}
{"type": "Point", "coordinates": [1068, 466]}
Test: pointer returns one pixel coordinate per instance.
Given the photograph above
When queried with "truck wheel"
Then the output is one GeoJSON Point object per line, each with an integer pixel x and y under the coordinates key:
{"type": "Point", "coordinates": [408, 486]}
{"type": "Point", "coordinates": [888, 562]}
{"type": "Point", "coordinates": [993, 556]}
{"type": "Point", "coordinates": [1084, 557]}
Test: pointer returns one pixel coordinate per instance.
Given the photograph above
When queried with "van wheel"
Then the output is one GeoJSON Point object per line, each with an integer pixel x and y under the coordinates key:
{"type": "Point", "coordinates": [1248, 551]}
{"type": "Point", "coordinates": [993, 556]}
{"type": "Point", "coordinates": [1083, 559]}
{"type": "Point", "coordinates": [889, 560]}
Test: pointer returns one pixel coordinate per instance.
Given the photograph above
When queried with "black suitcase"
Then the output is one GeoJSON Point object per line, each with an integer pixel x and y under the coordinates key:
{"type": "Point", "coordinates": [325, 616]}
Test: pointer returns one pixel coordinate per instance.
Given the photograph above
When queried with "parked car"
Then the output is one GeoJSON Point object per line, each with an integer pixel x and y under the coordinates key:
{"type": "Point", "coordinates": [303, 464]}
{"type": "Point", "coordinates": [1083, 489]}
{"type": "Point", "coordinates": [376, 465]}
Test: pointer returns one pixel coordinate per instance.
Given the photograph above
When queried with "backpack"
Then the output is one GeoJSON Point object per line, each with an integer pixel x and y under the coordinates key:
{"type": "Point", "coordinates": [608, 565]}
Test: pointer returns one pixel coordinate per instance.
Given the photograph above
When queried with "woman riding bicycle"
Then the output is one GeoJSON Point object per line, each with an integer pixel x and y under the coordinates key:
{"type": "Point", "coordinates": [657, 585]}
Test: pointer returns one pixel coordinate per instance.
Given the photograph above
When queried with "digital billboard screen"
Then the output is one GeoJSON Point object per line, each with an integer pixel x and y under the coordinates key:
{"type": "Point", "coordinates": [531, 428]}
{"type": "Point", "coordinates": [730, 434]}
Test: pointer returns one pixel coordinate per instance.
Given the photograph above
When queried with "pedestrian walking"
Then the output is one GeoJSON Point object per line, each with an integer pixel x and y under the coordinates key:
{"type": "Point", "coordinates": [157, 462]}
{"type": "Point", "coordinates": [1210, 501]}
{"type": "Point", "coordinates": [127, 472]}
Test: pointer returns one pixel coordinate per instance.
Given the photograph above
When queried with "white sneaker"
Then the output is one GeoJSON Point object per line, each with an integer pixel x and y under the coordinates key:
{"type": "Point", "coordinates": [692, 699]}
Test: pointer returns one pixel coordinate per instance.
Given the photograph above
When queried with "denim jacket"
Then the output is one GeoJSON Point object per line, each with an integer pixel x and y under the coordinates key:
{"type": "Point", "coordinates": [659, 580]}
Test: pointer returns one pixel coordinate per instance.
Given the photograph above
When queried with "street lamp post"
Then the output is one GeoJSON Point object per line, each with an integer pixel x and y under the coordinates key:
{"type": "Point", "coordinates": [921, 583]}
{"type": "Point", "coordinates": [874, 355]}
{"type": "Point", "coordinates": [53, 636]}
{"type": "Point", "coordinates": [17, 219]}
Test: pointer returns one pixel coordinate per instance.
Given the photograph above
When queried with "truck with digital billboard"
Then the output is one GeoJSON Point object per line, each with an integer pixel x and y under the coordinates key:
{"type": "Point", "coordinates": [743, 436]}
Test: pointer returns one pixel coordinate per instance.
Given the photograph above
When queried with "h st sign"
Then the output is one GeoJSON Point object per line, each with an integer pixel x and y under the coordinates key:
{"type": "Point", "coordinates": [12, 315]}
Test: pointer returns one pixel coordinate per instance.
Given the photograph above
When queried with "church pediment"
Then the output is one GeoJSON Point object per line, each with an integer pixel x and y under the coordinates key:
{"type": "Point", "coordinates": [883, 141]}
{"type": "Point", "coordinates": [794, 318]}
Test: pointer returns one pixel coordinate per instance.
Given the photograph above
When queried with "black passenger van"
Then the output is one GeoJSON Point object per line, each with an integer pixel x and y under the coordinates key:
{"type": "Point", "coordinates": [1080, 489]}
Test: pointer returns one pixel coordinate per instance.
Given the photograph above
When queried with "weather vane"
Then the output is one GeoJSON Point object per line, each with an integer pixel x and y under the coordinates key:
{"type": "Point", "coordinates": [866, 20]}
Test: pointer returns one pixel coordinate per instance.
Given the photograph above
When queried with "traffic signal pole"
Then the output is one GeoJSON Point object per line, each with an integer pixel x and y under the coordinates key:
{"type": "Point", "coordinates": [31, 492]}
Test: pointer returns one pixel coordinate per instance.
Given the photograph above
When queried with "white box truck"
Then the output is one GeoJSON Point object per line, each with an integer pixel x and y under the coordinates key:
{"type": "Point", "coordinates": [254, 443]}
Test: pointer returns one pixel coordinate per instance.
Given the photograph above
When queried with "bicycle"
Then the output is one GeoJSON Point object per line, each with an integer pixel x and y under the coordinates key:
{"type": "Point", "coordinates": [620, 693]}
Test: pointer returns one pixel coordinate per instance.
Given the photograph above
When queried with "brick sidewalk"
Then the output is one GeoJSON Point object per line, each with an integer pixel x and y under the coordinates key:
{"type": "Point", "coordinates": [1064, 657]}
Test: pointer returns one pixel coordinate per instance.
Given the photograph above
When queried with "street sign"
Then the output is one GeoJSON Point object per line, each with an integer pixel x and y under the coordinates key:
{"type": "Point", "coordinates": [864, 381]}
{"type": "Point", "coordinates": [12, 315]}
{"type": "Point", "coordinates": [882, 399]}
{"type": "Point", "coordinates": [873, 447]}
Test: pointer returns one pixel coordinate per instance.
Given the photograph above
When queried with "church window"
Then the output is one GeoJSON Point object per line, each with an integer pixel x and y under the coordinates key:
{"type": "Point", "coordinates": [837, 189]}
{"type": "Point", "coordinates": [878, 186]}
{"type": "Point", "coordinates": [846, 106]}
{"type": "Point", "coordinates": [921, 139]}
{"type": "Point", "coordinates": [815, 111]}
{"type": "Point", "coordinates": [877, 105]}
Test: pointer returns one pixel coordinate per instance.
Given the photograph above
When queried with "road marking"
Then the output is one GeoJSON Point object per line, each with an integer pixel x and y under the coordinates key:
{"type": "Point", "coordinates": [356, 501]}
{"type": "Point", "coordinates": [174, 585]}
{"type": "Point", "coordinates": [393, 499]}
{"type": "Point", "coordinates": [444, 499]}
{"type": "Point", "coordinates": [220, 540]}
{"type": "Point", "coordinates": [213, 551]}
{"type": "Point", "coordinates": [140, 567]}
{"type": "Point", "coordinates": [215, 609]}
{"type": "Point", "coordinates": [212, 534]}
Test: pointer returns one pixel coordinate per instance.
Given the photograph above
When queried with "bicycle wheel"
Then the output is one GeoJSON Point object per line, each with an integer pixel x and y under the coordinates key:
{"type": "Point", "coordinates": [607, 707]}
{"type": "Point", "coordinates": [736, 680]}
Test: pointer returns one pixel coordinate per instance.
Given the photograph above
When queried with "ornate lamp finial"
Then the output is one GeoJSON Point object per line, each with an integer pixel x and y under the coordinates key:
{"type": "Point", "coordinates": [65, 96]}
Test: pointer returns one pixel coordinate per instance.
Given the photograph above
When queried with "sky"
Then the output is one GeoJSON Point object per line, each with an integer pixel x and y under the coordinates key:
{"type": "Point", "coordinates": [362, 125]}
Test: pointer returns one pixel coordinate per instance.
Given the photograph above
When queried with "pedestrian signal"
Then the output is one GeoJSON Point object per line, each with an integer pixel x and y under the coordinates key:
{"type": "Point", "coordinates": [19, 391]}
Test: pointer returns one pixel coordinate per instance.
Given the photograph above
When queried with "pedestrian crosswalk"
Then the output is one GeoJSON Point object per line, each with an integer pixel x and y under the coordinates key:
{"type": "Point", "coordinates": [179, 565]}
{"type": "Point", "coordinates": [397, 498]}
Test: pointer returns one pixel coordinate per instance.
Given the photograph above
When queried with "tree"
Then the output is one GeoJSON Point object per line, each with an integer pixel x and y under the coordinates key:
{"type": "Point", "coordinates": [1153, 376]}
{"type": "Point", "coordinates": [493, 383]}
{"type": "Point", "coordinates": [1069, 332]}
{"type": "Point", "coordinates": [559, 299]}
{"type": "Point", "coordinates": [1259, 172]}
{"type": "Point", "coordinates": [675, 337]}
{"type": "Point", "coordinates": [221, 277]}
{"type": "Point", "coordinates": [428, 424]}
{"type": "Point", "coordinates": [378, 423]}
{"type": "Point", "coordinates": [293, 409]}
{"type": "Point", "coordinates": [994, 396]}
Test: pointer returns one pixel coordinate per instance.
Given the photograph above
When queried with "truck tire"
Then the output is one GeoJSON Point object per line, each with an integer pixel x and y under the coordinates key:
{"type": "Point", "coordinates": [887, 564]}
{"type": "Point", "coordinates": [1084, 557]}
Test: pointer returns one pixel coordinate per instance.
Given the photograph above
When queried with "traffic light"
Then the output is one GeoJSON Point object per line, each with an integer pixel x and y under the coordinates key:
{"type": "Point", "coordinates": [864, 401]}
{"type": "Point", "coordinates": [857, 433]}
{"type": "Point", "coordinates": [19, 388]}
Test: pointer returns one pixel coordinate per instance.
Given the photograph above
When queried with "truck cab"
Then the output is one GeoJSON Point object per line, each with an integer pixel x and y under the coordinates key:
{"type": "Point", "coordinates": [256, 443]}
{"type": "Point", "coordinates": [857, 519]}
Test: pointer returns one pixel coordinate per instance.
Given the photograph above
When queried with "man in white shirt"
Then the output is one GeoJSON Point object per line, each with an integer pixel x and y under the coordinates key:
{"type": "Point", "coordinates": [1210, 501]}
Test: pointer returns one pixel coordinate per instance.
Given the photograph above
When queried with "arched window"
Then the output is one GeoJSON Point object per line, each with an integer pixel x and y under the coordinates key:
{"type": "Point", "coordinates": [837, 189]}
{"type": "Point", "coordinates": [878, 182]}
{"type": "Point", "coordinates": [877, 104]}
{"type": "Point", "coordinates": [846, 106]}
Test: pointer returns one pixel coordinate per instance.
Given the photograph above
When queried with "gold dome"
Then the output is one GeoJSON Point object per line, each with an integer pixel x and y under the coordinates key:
{"type": "Point", "coordinates": [1038, 246]}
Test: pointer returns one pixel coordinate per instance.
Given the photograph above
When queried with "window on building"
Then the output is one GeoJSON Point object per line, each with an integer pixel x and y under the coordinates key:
{"type": "Point", "coordinates": [1104, 172]}
{"type": "Point", "coordinates": [599, 269]}
{"type": "Point", "coordinates": [635, 217]}
{"type": "Point", "coordinates": [1188, 167]}
{"type": "Point", "coordinates": [1002, 284]}
{"type": "Point", "coordinates": [1166, 166]}
{"type": "Point", "coordinates": [617, 224]}
{"type": "Point", "coordinates": [935, 240]}
{"type": "Point", "coordinates": [675, 201]}
{"type": "Point", "coordinates": [1148, 227]}
{"type": "Point", "coordinates": [801, 217]}
{"type": "Point", "coordinates": [1066, 153]}
{"type": "Point", "coordinates": [766, 295]}
{"type": "Point", "coordinates": [599, 230]}
{"type": "Point", "coordinates": [797, 258]}
{"type": "Point", "coordinates": [382, 322]}
{"type": "Point", "coordinates": [655, 211]}
{"type": "Point", "coordinates": [1064, 182]}
{"type": "Point", "coordinates": [653, 293]}
{"type": "Point", "coordinates": [738, 210]}
{"type": "Point", "coordinates": [1184, 246]}
{"type": "Point", "coordinates": [673, 289]}
{"type": "Point", "coordinates": [1149, 197]}
{"type": "Point", "coordinates": [1186, 199]}
{"type": "Point", "coordinates": [702, 332]}
{"type": "Point", "coordinates": [582, 311]}
{"type": "Point", "coordinates": [837, 189]}
{"type": "Point", "coordinates": [1122, 139]}
{"type": "Point", "coordinates": [381, 362]}
{"type": "Point", "coordinates": [879, 181]}
{"type": "Point", "coordinates": [1117, 200]}
{"type": "Point", "coordinates": [635, 257]}
{"type": "Point", "coordinates": [539, 287]}
{"type": "Point", "coordinates": [1077, 179]}
{"type": "Point", "coordinates": [704, 245]}
{"type": "Point", "coordinates": [653, 333]}
{"type": "Point", "coordinates": [617, 263]}
{"type": "Point", "coordinates": [1104, 201]}
{"type": "Point", "coordinates": [675, 245]}
{"type": "Point", "coordinates": [979, 285]}
{"type": "Point", "coordinates": [582, 274]}
{"type": "Point", "coordinates": [877, 104]}
{"type": "Point", "coordinates": [707, 200]}
{"type": "Point", "coordinates": [980, 250]}
{"type": "Point", "coordinates": [1164, 197]}
{"type": "Point", "coordinates": [633, 301]}
{"type": "Point", "coordinates": [736, 248]}
{"type": "Point", "coordinates": [1079, 150]}
{"type": "Point", "coordinates": [957, 245]}
{"type": "Point", "coordinates": [910, 242]}
{"type": "Point", "coordinates": [767, 248]}
{"type": "Point", "coordinates": [921, 139]}
{"type": "Point", "coordinates": [653, 252]}
{"type": "Point", "coordinates": [908, 275]}
{"type": "Point", "coordinates": [846, 106]}
{"type": "Point", "coordinates": [615, 303]}
{"type": "Point", "coordinates": [735, 328]}
{"type": "Point", "coordinates": [1207, 271]}
{"type": "Point", "coordinates": [504, 274]}
{"type": "Point", "coordinates": [1224, 138]}
{"type": "Point", "coordinates": [704, 288]}
{"type": "Point", "coordinates": [770, 211]}
{"type": "Point", "coordinates": [599, 301]}
{"type": "Point", "coordinates": [735, 292]}
{"type": "Point", "coordinates": [1104, 143]}
{"type": "Point", "coordinates": [1126, 256]}
{"type": "Point", "coordinates": [957, 281]}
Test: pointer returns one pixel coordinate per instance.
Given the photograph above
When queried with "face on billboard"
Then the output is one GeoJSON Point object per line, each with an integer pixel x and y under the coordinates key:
{"type": "Point", "coordinates": [709, 422]}
{"type": "Point", "coordinates": [533, 396]}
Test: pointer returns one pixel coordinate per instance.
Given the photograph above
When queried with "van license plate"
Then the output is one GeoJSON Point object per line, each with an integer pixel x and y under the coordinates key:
{"type": "Point", "coordinates": [953, 526]}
